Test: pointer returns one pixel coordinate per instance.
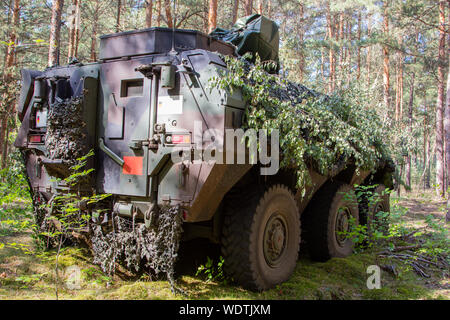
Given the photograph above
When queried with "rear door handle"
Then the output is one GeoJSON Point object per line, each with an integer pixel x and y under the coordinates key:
{"type": "Point", "coordinates": [110, 153]}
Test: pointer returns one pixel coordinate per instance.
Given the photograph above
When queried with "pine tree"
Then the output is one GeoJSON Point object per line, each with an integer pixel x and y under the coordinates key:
{"type": "Point", "coordinates": [148, 13]}
{"type": "Point", "coordinates": [440, 169]}
{"type": "Point", "coordinates": [212, 15]}
{"type": "Point", "coordinates": [55, 33]}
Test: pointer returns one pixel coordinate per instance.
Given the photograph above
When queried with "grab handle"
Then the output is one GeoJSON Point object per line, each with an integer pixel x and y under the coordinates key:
{"type": "Point", "coordinates": [110, 153]}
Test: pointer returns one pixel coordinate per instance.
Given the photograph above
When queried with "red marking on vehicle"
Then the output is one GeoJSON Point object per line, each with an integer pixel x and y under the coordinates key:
{"type": "Point", "coordinates": [35, 139]}
{"type": "Point", "coordinates": [133, 165]}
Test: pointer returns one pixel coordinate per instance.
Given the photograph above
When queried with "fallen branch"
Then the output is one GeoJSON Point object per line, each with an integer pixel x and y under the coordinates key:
{"type": "Point", "coordinates": [418, 270]}
{"type": "Point", "coordinates": [402, 248]}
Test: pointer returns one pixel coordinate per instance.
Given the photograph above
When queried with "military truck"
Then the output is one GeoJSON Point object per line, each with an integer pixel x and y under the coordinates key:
{"type": "Point", "coordinates": [139, 102]}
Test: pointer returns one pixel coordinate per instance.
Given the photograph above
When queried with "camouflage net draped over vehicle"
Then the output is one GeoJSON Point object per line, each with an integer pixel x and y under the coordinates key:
{"type": "Point", "coordinates": [65, 138]}
{"type": "Point", "coordinates": [316, 131]}
{"type": "Point", "coordinates": [133, 244]}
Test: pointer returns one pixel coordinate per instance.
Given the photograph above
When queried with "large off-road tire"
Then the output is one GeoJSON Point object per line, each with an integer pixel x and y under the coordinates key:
{"type": "Point", "coordinates": [329, 222]}
{"type": "Point", "coordinates": [261, 237]}
{"type": "Point", "coordinates": [370, 211]}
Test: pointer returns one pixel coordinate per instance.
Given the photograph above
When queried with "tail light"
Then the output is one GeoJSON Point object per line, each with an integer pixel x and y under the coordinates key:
{"type": "Point", "coordinates": [35, 139]}
{"type": "Point", "coordinates": [185, 214]}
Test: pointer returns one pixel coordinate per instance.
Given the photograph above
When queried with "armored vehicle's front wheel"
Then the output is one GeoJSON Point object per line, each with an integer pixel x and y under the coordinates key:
{"type": "Point", "coordinates": [261, 237]}
{"type": "Point", "coordinates": [334, 210]}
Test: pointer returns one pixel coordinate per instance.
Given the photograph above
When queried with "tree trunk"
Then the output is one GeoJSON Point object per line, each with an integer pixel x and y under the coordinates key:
{"type": "Point", "coordinates": [347, 51]}
{"type": "Point", "coordinates": [400, 116]}
{"type": "Point", "coordinates": [369, 49]}
{"type": "Point", "coordinates": [440, 173]}
{"type": "Point", "coordinates": [55, 33]}
{"type": "Point", "coordinates": [447, 130]}
{"type": "Point", "coordinates": [425, 144]}
{"type": "Point", "coordinates": [358, 53]}
{"type": "Point", "coordinates": [260, 7]}
{"type": "Point", "coordinates": [168, 13]}
{"type": "Point", "coordinates": [93, 55]}
{"type": "Point", "coordinates": [322, 69]}
{"type": "Point", "coordinates": [158, 13]}
{"type": "Point", "coordinates": [428, 170]}
{"type": "Point", "coordinates": [300, 37]}
{"type": "Point", "coordinates": [400, 90]}
{"type": "Point", "coordinates": [72, 21]}
{"type": "Point", "coordinates": [76, 39]}
{"type": "Point", "coordinates": [212, 15]}
{"type": "Point", "coordinates": [119, 12]}
{"type": "Point", "coordinates": [235, 12]}
{"type": "Point", "coordinates": [331, 50]}
{"type": "Point", "coordinates": [5, 145]}
{"type": "Point", "coordinates": [399, 100]}
{"type": "Point", "coordinates": [399, 182]}
{"type": "Point", "coordinates": [248, 7]}
{"type": "Point", "coordinates": [410, 120]}
{"type": "Point", "coordinates": [7, 78]}
{"type": "Point", "coordinates": [148, 13]}
{"type": "Point", "coordinates": [386, 77]}
{"type": "Point", "coordinates": [340, 38]}
{"type": "Point", "coordinates": [205, 15]}
{"type": "Point", "coordinates": [8, 23]}
{"type": "Point", "coordinates": [397, 91]}
{"type": "Point", "coordinates": [10, 53]}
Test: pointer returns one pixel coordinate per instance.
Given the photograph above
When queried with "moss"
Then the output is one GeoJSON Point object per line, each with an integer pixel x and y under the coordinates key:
{"type": "Point", "coordinates": [412, 291]}
{"type": "Point", "coordinates": [142, 291]}
{"type": "Point", "coordinates": [68, 258]}
{"type": "Point", "coordinates": [383, 293]}
{"type": "Point", "coordinates": [133, 291]}
{"type": "Point", "coordinates": [87, 296]}
{"type": "Point", "coordinates": [398, 289]}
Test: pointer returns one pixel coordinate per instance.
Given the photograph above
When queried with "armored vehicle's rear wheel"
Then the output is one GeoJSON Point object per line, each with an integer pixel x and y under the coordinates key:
{"type": "Point", "coordinates": [261, 237]}
{"type": "Point", "coordinates": [330, 221]}
{"type": "Point", "coordinates": [374, 213]}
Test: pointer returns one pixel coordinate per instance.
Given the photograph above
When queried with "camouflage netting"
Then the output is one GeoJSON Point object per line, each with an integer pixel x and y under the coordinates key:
{"type": "Point", "coordinates": [135, 246]}
{"type": "Point", "coordinates": [316, 131]}
{"type": "Point", "coordinates": [283, 89]}
{"type": "Point", "coordinates": [40, 214]}
{"type": "Point", "coordinates": [290, 91]}
{"type": "Point", "coordinates": [66, 137]}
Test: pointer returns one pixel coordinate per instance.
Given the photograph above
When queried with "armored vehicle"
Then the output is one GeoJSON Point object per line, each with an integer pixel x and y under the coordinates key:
{"type": "Point", "coordinates": [147, 96]}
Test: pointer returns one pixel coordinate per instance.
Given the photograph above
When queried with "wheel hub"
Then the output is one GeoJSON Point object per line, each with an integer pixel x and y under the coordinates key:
{"type": "Point", "coordinates": [275, 237]}
{"type": "Point", "coordinates": [342, 225]}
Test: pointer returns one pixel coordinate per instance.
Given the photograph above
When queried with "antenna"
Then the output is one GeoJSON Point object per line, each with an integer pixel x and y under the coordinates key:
{"type": "Point", "coordinates": [174, 20]}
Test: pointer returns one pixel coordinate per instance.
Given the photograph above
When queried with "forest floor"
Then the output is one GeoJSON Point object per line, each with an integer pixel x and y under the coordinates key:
{"type": "Point", "coordinates": [29, 274]}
